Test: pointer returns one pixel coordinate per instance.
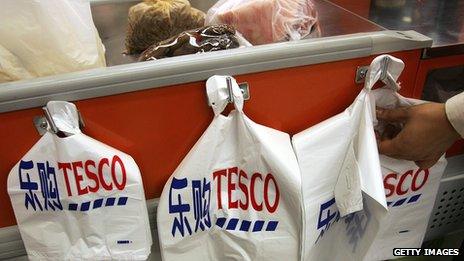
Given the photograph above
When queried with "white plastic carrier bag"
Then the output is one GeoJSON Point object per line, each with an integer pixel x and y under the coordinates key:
{"type": "Point", "coordinates": [76, 198]}
{"type": "Point", "coordinates": [410, 191]}
{"type": "Point", "coordinates": [237, 193]}
{"type": "Point", "coordinates": [47, 37]}
{"type": "Point", "coordinates": [343, 195]}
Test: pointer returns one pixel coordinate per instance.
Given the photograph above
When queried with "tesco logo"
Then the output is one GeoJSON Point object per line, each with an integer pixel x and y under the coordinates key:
{"type": "Point", "coordinates": [255, 190]}
{"type": "Point", "coordinates": [411, 180]}
{"type": "Point", "coordinates": [90, 176]}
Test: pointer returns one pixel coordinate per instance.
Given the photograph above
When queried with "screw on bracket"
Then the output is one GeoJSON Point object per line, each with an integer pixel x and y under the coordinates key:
{"type": "Point", "coordinates": [361, 73]}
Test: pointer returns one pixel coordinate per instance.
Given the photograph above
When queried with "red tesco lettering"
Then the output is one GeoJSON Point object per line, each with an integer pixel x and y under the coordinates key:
{"type": "Point", "coordinates": [94, 175]}
{"type": "Point", "coordinates": [408, 181]}
{"type": "Point", "coordinates": [239, 180]}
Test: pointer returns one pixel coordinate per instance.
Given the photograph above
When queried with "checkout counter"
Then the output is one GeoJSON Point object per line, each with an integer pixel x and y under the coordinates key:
{"type": "Point", "coordinates": [155, 111]}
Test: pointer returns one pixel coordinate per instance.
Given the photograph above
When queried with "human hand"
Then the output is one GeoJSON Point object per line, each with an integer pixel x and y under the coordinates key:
{"type": "Point", "coordinates": [425, 136]}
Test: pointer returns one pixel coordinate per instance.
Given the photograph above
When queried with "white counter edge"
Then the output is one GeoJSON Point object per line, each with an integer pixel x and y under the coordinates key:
{"type": "Point", "coordinates": [190, 68]}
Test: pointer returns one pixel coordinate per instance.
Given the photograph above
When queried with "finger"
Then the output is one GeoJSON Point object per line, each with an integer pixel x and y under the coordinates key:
{"type": "Point", "coordinates": [390, 132]}
{"type": "Point", "coordinates": [390, 148]}
{"type": "Point", "coordinates": [425, 164]}
{"type": "Point", "coordinates": [377, 137]}
{"type": "Point", "coordinates": [428, 163]}
{"type": "Point", "coordinates": [393, 115]}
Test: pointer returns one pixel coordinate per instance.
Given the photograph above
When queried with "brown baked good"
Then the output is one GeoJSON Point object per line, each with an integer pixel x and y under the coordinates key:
{"type": "Point", "coordinates": [153, 21]}
{"type": "Point", "coordinates": [205, 39]}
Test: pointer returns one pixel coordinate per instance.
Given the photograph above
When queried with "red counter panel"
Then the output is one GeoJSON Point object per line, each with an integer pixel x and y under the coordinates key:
{"type": "Point", "coordinates": [159, 126]}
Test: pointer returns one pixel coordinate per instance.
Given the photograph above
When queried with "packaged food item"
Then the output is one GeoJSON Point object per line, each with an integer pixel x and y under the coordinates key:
{"type": "Point", "coordinates": [237, 193]}
{"type": "Point", "coordinates": [153, 21]}
{"type": "Point", "coordinates": [75, 198]}
{"type": "Point", "coordinates": [266, 21]}
{"type": "Point", "coordinates": [50, 37]}
{"type": "Point", "coordinates": [205, 39]}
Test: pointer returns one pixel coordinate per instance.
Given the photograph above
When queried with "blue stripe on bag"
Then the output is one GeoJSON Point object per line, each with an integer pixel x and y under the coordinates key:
{"type": "Point", "coordinates": [414, 198]}
{"type": "Point", "coordinates": [272, 225]}
{"type": "Point", "coordinates": [245, 225]}
{"type": "Point", "coordinates": [232, 224]}
{"type": "Point", "coordinates": [220, 222]}
{"type": "Point", "coordinates": [258, 225]}
{"type": "Point", "coordinates": [401, 201]}
{"type": "Point", "coordinates": [85, 206]}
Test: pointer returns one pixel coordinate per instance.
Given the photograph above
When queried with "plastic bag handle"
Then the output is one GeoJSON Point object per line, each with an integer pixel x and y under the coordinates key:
{"type": "Point", "coordinates": [221, 90]}
{"type": "Point", "coordinates": [385, 68]}
{"type": "Point", "coordinates": [63, 118]}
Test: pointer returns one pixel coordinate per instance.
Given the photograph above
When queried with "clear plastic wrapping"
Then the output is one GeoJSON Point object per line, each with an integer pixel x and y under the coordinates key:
{"type": "Point", "coordinates": [205, 39]}
{"type": "Point", "coordinates": [153, 21]}
{"type": "Point", "coordinates": [47, 37]}
{"type": "Point", "coordinates": [11, 68]}
{"type": "Point", "coordinates": [266, 21]}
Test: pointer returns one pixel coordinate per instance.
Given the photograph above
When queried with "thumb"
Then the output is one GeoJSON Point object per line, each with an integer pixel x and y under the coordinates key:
{"type": "Point", "coordinates": [393, 115]}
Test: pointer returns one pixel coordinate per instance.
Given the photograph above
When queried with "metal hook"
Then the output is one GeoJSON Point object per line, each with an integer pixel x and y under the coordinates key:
{"type": "Point", "coordinates": [42, 122]}
{"type": "Point", "coordinates": [384, 70]}
{"type": "Point", "coordinates": [361, 73]}
{"type": "Point", "coordinates": [387, 78]}
{"type": "Point", "coordinates": [49, 119]}
{"type": "Point", "coordinates": [229, 88]}
{"type": "Point", "coordinates": [81, 120]}
{"type": "Point", "coordinates": [244, 88]}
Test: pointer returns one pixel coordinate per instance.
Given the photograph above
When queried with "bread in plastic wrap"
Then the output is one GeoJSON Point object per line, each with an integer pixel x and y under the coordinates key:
{"type": "Point", "coordinates": [153, 21]}
{"type": "Point", "coordinates": [266, 21]}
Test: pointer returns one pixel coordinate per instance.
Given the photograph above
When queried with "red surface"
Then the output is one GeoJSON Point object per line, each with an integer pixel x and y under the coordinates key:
{"type": "Point", "coordinates": [159, 126]}
{"type": "Point", "coordinates": [425, 66]}
{"type": "Point", "coordinates": [456, 149]}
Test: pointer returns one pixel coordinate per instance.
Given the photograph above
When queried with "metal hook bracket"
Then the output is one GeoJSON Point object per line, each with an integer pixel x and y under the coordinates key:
{"type": "Point", "coordinates": [42, 122]}
{"type": "Point", "coordinates": [361, 72]}
{"type": "Point", "coordinates": [229, 88]}
{"type": "Point", "coordinates": [384, 71]}
{"type": "Point", "coordinates": [244, 88]}
{"type": "Point", "coordinates": [49, 120]}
